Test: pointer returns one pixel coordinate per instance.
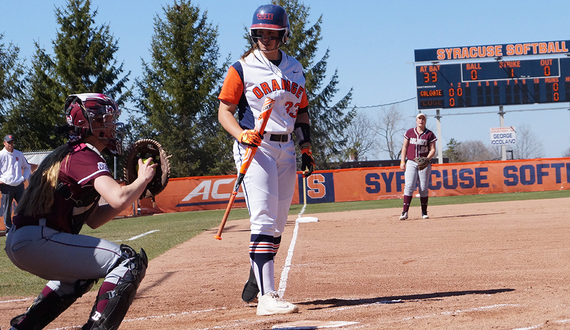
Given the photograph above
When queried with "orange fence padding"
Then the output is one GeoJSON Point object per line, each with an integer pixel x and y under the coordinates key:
{"type": "Point", "coordinates": [373, 183]}
{"type": "Point", "coordinates": [376, 183]}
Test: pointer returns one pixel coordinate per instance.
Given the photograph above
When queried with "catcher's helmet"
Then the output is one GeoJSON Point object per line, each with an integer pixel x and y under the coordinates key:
{"type": "Point", "coordinates": [95, 114]}
{"type": "Point", "coordinates": [270, 17]}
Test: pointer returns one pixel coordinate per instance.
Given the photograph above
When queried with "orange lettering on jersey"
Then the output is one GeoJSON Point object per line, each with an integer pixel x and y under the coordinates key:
{"type": "Point", "coordinates": [294, 88]}
{"type": "Point", "coordinates": [275, 84]}
{"type": "Point", "coordinates": [286, 85]}
{"type": "Point", "coordinates": [265, 87]}
{"type": "Point", "coordinates": [257, 91]}
{"type": "Point", "coordinates": [300, 91]}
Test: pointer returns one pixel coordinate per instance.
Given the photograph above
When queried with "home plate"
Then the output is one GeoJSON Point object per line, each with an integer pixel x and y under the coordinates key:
{"type": "Point", "coordinates": [308, 325]}
{"type": "Point", "coordinates": [307, 219]}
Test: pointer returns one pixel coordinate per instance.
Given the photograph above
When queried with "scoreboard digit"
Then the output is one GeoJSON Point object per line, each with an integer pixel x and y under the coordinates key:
{"type": "Point", "coordinates": [492, 83]}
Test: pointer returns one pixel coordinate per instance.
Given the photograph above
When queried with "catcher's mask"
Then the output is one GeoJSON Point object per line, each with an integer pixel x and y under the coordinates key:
{"type": "Point", "coordinates": [95, 114]}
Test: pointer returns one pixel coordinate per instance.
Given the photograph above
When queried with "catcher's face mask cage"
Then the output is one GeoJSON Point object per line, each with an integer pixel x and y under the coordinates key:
{"type": "Point", "coordinates": [95, 114]}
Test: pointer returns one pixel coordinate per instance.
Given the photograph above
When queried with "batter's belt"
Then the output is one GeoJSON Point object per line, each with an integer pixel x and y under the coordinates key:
{"type": "Point", "coordinates": [280, 137]}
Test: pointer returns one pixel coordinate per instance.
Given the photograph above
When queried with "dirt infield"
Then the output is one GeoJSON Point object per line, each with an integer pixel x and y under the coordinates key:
{"type": "Point", "coordinates": [503, 265]}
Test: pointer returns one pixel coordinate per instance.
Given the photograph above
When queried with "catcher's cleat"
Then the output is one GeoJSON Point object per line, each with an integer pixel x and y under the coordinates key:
{"type": "Point", "coordinates": [250, 289]}
{"type": "Point", "coordinates": [404, 216]}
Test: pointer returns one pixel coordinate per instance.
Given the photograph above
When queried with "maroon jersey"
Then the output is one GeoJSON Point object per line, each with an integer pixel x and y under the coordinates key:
{"type": "Point", "coordinates": [77, 172]}
{"type": "Point", "coordinates": [419, 143]}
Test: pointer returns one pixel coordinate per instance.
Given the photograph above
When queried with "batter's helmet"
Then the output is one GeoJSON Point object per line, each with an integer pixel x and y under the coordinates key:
{"type": "Point", "coordinates": [95, 114]}
{"type": "Point", "coordinates": [270, 17]}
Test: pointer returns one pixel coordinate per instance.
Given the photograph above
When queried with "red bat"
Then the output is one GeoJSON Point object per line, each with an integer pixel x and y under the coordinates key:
{"type": "Point", "coordinates": [248, 157]}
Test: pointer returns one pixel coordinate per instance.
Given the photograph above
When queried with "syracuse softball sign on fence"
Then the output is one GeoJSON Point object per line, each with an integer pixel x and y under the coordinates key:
{"type": "Point", "coordinates": [503, 136]}
{"type": "Point", "coordinates": [374, 183]}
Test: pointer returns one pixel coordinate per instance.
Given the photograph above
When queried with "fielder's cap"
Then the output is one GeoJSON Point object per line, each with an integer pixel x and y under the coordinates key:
{"type": "Point", "coordinates": [421, 114]}
{"type": "Point", "coordinates": [9, 138]}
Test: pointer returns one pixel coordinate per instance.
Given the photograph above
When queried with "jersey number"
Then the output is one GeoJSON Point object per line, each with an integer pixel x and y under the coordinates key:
{"type": "Point", "coordinates": [292, 109]}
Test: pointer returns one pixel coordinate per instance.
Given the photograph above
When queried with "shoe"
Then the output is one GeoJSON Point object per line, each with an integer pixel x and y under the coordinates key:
{"type": "Point", "coordinates": [270, 304]}
{"type": "Point", "coordinates": [404, 216]}
{"type": "Point", "coordinates": [425, 216]}
{"type": "Point", "coordinates": [250, 289]}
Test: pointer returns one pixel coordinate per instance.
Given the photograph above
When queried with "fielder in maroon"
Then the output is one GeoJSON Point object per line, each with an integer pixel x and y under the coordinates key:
{"type": "Point", "coordinates": [418, 142]}
{"type": "Point", "coordinates": [63, 194]}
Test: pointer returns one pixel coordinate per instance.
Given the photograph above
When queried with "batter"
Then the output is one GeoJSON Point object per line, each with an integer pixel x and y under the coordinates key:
{"type": "Point", "coordinates": [418, 142]}
{"type": "Point", "coordinates": [64, 194]}
{"type": "Point", "coordinates": [266, 71]}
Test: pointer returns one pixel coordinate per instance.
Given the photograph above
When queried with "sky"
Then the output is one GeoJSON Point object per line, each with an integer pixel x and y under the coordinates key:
{"type": "Point", "coordinates": [371, 45]}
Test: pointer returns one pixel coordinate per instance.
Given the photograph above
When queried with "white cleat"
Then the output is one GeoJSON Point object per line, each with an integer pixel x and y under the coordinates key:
{"type": "Point", "coordinates": [425, 216]}
{"type": "Point", "coordinates": [404, 216]}
{"type": "Point", "coordinates": [270, 303]}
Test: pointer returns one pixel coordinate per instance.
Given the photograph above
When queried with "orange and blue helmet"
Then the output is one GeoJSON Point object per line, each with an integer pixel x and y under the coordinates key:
{"type": "Point", "coordinates": [270, 17]}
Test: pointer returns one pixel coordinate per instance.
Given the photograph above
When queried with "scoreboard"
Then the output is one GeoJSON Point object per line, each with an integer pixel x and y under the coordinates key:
{"type": "Point", "coordinates": [493, 83]}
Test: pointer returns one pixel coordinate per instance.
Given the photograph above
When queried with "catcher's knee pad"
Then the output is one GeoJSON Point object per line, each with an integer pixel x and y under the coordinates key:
{"type": "Point", "coordinates": [44, 310]}
{"type": "Point", "coordinates": [120, 298]}
{"type": "Point", "coordinates": [138, 262]}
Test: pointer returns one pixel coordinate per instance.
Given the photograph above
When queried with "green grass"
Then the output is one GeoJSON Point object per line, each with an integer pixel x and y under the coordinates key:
{"type": "Point", "coordinates": [176, 228]}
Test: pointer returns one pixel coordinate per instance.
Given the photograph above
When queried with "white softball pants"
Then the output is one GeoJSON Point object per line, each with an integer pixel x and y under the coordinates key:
{"type": "Point", "coordinates": [269, 184]}
{"type": "Point", "coordinates": [414, 177]}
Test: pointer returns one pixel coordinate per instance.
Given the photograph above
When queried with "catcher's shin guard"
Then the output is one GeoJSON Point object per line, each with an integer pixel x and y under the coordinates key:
{"type": "Point", "coordinates": [46, 309]}
{"type": "Point", "coordinates": [120, 298]}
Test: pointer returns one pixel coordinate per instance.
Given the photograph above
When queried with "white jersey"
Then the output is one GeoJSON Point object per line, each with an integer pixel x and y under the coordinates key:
{"type": "Point", "coordinates": [250, 80]}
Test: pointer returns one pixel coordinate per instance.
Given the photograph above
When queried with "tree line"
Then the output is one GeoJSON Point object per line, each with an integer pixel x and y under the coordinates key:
{"type": "Point", "coordinates": [175, 98]}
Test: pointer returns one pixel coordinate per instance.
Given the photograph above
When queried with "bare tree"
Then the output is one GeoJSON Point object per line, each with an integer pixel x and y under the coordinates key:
{"type": "Point", "coordinates": [361, 138]}
{"type": "Point", "coordinates": [566, 153]}
{"type": "Point", "coordinates": [471, 151]}
{"type": "Point", "coordinates": [390, 130]}
{"type": "Point", "coordinates": [528, 144]}
{"type": "Point", "coordinates": [474, 151]}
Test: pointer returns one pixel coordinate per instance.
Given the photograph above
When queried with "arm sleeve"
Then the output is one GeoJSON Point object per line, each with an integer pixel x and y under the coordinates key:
{"type": "Point", "coordinates": [232, 89]}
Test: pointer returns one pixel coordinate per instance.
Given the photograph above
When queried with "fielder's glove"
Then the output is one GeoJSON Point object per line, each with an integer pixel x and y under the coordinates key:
{"type": "Point", "coordinates": [145, 149]}
{"type": "Point", "coordinates": [250, 137]}
{"type": "Point", "coordinates": [423, 162]}
{"type": "Point", "coordinates": [307, 161]}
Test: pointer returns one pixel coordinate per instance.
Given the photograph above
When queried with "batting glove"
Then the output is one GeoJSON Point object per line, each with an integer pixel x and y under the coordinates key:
{"type": "Point", "coordinates": [307, 161]}
{"type": "Point", "coordinates": [250, 137]}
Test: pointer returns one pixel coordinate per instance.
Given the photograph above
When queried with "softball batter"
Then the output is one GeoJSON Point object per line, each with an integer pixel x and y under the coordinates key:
{"type": "Point", "coordinates": [418, 142]}
{"type": "Point", "coordinates": [64, 194]}
{"type": "Point", "coordinates": [266, 71]}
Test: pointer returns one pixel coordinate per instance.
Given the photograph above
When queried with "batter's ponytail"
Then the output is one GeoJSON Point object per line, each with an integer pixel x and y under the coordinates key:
{"type": "Point", "coordinates": [249, 51]}
{"type": "Point", "coordinates": [38, 198]}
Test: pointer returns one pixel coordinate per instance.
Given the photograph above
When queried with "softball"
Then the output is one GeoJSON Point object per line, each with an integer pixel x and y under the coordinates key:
{"type": "Point", "coordinates": [145, 160]}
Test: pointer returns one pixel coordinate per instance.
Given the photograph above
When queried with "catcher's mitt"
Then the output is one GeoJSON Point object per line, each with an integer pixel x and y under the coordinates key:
{"type": "Point", "coordinates": [144, 149]}
{"type": "Point", "coordinates": [423, 162]}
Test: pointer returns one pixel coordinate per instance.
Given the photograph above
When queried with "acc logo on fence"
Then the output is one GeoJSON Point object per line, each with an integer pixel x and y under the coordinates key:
{"type": "Point", "coordinates": [210, 192]}
{"type": "Point", "coordinates": [503, 136]}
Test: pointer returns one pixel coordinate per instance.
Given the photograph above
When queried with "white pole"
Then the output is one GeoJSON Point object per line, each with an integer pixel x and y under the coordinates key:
{"type": "Point", "coordinates": [502, 121]}
{"type": "Point", "coordinates": [439, 138]}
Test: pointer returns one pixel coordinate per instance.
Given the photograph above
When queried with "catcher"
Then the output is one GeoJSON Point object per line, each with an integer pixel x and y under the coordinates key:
{"type": "Point", "coordinates": [63, 194]}
{"type": "Point", "coordinates": [417, 152]}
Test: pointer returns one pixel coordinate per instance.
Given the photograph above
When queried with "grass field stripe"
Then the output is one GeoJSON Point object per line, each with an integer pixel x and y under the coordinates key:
{"type": "Point", "coordinates": [141, 235]}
